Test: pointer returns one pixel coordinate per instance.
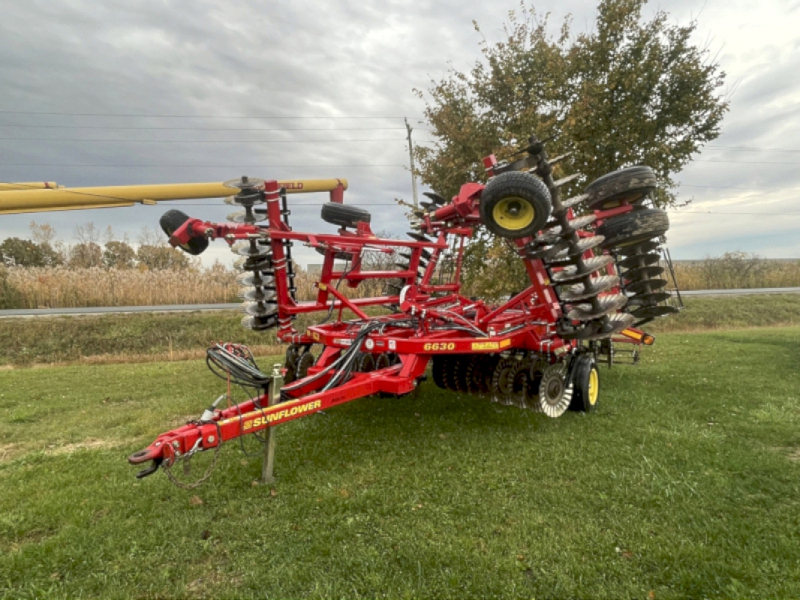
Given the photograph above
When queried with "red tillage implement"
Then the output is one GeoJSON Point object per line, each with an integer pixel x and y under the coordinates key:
{"type": "Point", "coordinates": [593, 267]}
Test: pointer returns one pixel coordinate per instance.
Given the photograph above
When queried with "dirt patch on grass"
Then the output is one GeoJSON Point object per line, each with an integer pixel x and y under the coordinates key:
{"type": "Point", "coordinates": [8, 451]}
{"type": "Point", "coordinates": [85, 445]}
{"type": "Point", "coordinates": [790, 452]}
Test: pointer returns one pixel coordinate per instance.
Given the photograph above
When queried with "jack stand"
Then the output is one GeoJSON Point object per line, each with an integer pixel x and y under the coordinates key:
{"type": "Point", "coordinates": [269, 448]}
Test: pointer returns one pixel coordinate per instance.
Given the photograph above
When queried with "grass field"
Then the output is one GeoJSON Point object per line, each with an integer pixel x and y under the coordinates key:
{"type": "Point", "coordinates": [684, 483]}
{"type": "Point", "coordinates": [178, 336]}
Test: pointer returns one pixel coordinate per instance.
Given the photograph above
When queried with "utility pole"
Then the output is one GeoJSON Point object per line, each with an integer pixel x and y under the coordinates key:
{"type": "Point", "coordinates": [411, 161]}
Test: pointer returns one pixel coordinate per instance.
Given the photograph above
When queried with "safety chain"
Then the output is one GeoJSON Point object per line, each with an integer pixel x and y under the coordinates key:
{"type": "Point", "coordinates": [187, 457]}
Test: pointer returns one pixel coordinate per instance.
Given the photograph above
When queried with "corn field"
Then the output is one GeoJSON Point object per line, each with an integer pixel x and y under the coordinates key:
{"type": "Point", "coordinates": [64, 287]}
{"type": "Point", "coordinates": [735, 270]}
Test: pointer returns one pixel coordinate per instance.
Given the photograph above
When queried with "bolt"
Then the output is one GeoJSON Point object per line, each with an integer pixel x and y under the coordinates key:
{"type": "Point", "coordinates": [211, 439]}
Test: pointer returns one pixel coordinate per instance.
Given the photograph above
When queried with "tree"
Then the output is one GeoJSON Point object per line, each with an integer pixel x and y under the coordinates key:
{"type": "Point", "coordinates": [628, 92]}
{"type": "Point", "coordinates": [161, 257]}
{"type": "Point", "coordinates": [119, 255]}
{"type": "Point", "coordinates": [25, 253]}
{"type": "Point", "coordinates": [85, 255]}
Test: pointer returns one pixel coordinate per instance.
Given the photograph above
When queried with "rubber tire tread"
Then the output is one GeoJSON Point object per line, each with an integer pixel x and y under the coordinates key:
{"type": "Point", "coordinates": [634, 227]}
{"type": "Point", "coordinates": [524, 186]}
{"type": "Point", "coordinates": [580, 373]}
{"type": "Point", "coordinates": [171, 221]}
{"type": "Point", "coordinates": [344, 215]}
{"type": "Point", "coordinates": [616, 185]}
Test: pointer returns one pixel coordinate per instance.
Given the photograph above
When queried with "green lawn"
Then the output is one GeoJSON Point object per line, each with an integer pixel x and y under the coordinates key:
{"type": "Point", "coordinates": [684, 483]}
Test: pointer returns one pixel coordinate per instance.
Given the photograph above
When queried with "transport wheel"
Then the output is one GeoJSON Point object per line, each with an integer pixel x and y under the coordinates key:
{"type": "Point", "coordinates": [555, 391]}
{"type": "Point", "coordinates": [515, 205]}
{"type": "Point", "coordinates": [634, 227]}
{"type": "Point", "coordinates": [290, 364]}
{"type": "Point", "coordinates": [586, 379]}
{"type": "Point", "coordinates": [344, 215]}
{"type": "Point", "coordinates": [305, 361]}
{"type": "Point", "coordinates": [631, 185]}
{"type": "Point", "coordinates": [171, 221]}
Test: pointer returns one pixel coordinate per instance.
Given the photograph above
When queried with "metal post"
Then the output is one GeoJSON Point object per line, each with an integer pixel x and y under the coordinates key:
{"type": "Point", "coordinates": [413, 167]}
{"type": "Point", "coordinates": [269, 448]}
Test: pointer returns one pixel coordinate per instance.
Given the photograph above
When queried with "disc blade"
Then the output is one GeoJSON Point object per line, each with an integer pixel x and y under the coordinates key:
{"type": "Point", "coordinates": [581, 246]}
{"type": "Point", "coordinates": [256, 279]}
{"type": "Point", "coordinates": [595, 286]}
{"type": "Point", "coordinates": [645, 285]}
{"type": "Point", "coordinates": [651, 312]}
{"type": "Point", "coordinates": [642, 273]}
{"type": "Point", "coordinates": [640, 248]}
{"type": "Point", "coordinates": [437, 199]}
{"type": "Point", "coordinates": [241, 217]}
{"type": "Point", "coordinates": [638, 260]}
{"type": "Point", "coordinates": [649, 299]}
{"type": "Point", "coordinates": [591, 265]}
{"type": "Point", "coordinates": [244, 183]}
{"type": "Point", "coordinates": [607, 304]}
{"type": "Point", "coordinates": [575, 200]}
{"type": "Point", "coordinates": [616, 323]}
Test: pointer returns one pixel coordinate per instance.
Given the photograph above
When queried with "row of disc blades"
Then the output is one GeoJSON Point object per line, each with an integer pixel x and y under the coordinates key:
{"type": "Point", "coordinates": [642, 280]}
{"type": "Point", "coordinates": [255, 260]}
{"type": "Point", "coordinates": [584, 290]}
{"type": "Point", "coordinates": [523, 380]}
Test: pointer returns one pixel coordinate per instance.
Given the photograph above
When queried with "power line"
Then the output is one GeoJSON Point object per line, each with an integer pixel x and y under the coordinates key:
{"type": "Point", "coordinates": [150, 116]}
{"type": "Point", "coordinates": [117, 140]}
{"type": "Point", "coordinates": [731, 187]}
{"type": "Point", "coordinates": [195, 166]}
{"type": "Point", "coordinates": [753, 149]}
{"type": "Point", "coordinates": [745, 162]}
{"type": "Point", "coordinates": [205, 128]}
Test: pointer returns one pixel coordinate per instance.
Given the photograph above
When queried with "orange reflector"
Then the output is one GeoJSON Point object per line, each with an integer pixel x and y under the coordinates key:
{"type": "Point", "coordinates": [648, 340]}
{"type": "Point", "coordinates": [634, 334]}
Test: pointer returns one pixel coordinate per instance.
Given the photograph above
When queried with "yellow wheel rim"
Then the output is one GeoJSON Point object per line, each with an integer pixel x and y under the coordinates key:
{"type": "Point", "coordinates": [513, 213]}
{"type": "Point", "coordinates": [594, 386]}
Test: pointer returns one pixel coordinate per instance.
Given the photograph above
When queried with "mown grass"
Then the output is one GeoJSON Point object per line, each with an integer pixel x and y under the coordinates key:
{"type": "Point", "coordinates": [683, 484]}
{"type": "Point", "coordinates": [178, 336]}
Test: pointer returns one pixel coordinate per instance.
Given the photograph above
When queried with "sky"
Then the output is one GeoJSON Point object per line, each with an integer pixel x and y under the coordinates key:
{"type": "Point", "coordinates": [120, 92]}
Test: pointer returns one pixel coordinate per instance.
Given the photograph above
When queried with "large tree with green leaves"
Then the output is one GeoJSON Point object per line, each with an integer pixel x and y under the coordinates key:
{"type": "Point", "coordinates": [631, 91]}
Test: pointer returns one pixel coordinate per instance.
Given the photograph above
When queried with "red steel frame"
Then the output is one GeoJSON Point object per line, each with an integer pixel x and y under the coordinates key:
{"type": "Point", "coordinates": [527, 321]}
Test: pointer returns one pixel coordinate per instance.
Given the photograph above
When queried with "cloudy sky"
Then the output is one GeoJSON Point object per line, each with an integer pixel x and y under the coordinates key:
{"type": "Point", "coordinates": [119, 92]}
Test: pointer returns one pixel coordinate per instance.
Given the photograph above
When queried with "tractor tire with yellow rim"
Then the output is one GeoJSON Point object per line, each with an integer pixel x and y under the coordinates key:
{"type": "Point", "coordinates": [515, 205]}
{"type": "Point", "coordinates": [586, 379]}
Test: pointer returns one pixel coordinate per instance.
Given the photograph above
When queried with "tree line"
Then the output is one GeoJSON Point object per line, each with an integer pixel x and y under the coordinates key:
{"type": "Point", "coordinates": [93, 249]}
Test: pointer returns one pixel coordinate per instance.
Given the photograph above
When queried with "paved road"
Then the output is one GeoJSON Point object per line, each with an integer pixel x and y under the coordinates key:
{"type": "Point", "coordinates": [98, 310]}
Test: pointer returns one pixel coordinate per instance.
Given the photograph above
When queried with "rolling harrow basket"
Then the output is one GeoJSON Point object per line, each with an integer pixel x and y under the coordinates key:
{"type": "Point", "coordinates": [594, 267]}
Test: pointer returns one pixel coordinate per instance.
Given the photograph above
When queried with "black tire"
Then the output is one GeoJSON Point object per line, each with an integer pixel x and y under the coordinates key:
{"type": "Point", "coordinates": [515, 205]}
{"type": "Point", "coordinates": [305, 361]}
{"type": "Point", "coordinates": [344, 215]}
{"type": "Point", "coordinates": [631, 185]}
{"type": "Point", "coordinates": [171, 221]}
{"type": "Point", "coordinates": [634, 227]}
{"type": "Point", "coordinates": [586, 379]}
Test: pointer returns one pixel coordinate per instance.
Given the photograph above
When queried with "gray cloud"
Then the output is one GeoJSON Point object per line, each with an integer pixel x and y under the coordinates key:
{"type": "Point", "coordinates": [321, 60]}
